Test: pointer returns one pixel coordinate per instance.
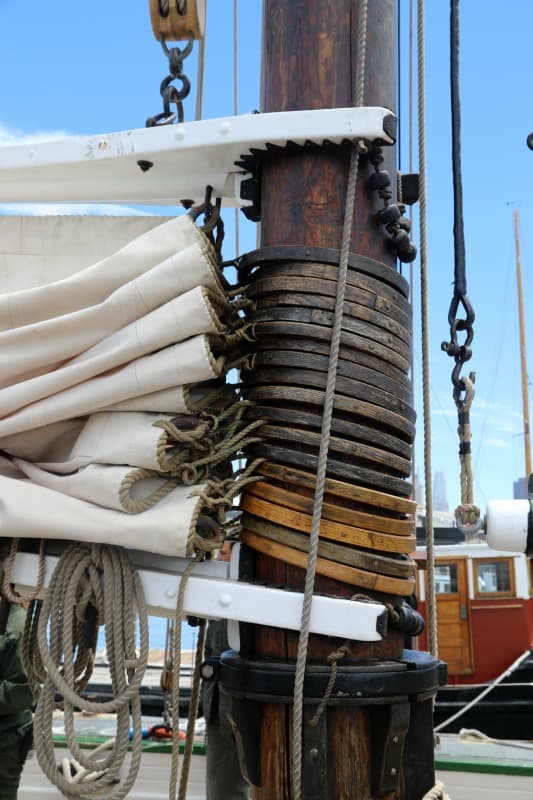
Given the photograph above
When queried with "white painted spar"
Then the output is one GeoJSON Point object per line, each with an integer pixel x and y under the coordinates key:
{"type": "Point", "coordinates": [211, 594]}
{"type": "Point", "coordinates": [178, 161]}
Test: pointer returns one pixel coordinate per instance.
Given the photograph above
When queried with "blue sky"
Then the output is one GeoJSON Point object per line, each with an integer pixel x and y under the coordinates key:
{"type": "Point", "coordinates": [97, 68]}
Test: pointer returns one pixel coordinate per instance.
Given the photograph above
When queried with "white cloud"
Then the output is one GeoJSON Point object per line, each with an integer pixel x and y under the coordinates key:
{"type": "Point", "coordinates": [72, 209]}
{"type": "Point", "coordinates": [12, 136]}
{"type": "Point", "coordinates": [499, 443]}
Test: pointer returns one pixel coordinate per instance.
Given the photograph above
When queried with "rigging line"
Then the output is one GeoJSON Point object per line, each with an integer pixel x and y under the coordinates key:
{"type": "Point", "coordinates": [399, 87]}
{"type": "Point", "coordinates": [314, 536]}
{"type": "Point", "coordinates": [424, 304]}
{"type": "Point", "coordinates": [410, 140]}
{"type": "Point", "coordinates": [201, 71]}
{"type": "Point", "coordinates": [236, 105]}
{"type": "Point", "coordinates": [458, 224]}
{"type": "Point", "coordinates": [495, 363]}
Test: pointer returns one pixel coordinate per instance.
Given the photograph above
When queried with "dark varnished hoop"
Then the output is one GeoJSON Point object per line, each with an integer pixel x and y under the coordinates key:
{"type": "Point", "coordinates": [358, 453]}
{"type": "Point", "coordinates": [306, 291]}
{"type": "Point", "coordinates": [299, 331]}
{"type": "Point", "coordinates": [319, 363]}
{"type": "Point", "coordinates": [312, 418]}
{"type": "Point", "coordinates": [324, 255]}
{"type": "Point", "coordinates": [335, 468]}
{"type": "Point", "coordinates": [317, 316]}
{"type": "Point", "coordinates": [353, 389]}
{"type": "Point", "coordinates": [375, 415]}
{"type": "Point", "coordinates": [371, 290]}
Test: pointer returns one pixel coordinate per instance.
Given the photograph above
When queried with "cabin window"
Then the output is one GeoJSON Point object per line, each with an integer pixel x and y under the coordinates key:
{"type": "Point", "coordinates": [494, 577]}
{"type": "Point", "coordinates": [446, 578]}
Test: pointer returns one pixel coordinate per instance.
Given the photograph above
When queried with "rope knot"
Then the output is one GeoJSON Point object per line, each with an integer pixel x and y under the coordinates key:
{"type": "Point", "coordinates": [337, 655]}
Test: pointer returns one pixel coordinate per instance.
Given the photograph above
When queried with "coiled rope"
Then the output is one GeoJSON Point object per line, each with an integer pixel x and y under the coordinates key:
{"type": "Point", "coordinates": [326, 423]}
{"type": "Point", "coordinates": [91, 585]}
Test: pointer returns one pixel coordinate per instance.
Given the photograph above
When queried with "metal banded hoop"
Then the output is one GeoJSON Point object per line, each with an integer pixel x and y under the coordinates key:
{"type": "Point", "coordinates": [175, 20]}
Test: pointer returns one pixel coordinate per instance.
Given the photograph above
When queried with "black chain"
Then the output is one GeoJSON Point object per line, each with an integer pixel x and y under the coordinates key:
{"type": "Point", "coordinates": [460, 302]}
{"type": "Point", "coordinates": [392, 215]}
{"type": "Point", "coordinates": [169, 93]}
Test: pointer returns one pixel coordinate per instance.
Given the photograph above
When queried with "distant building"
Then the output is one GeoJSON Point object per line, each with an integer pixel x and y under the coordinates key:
{"type": "Point", "coordinates": [520, 489]}
{"type": "Point", "coordinates": [418, 491]}
{"type": "Point", "coordinates": [440, 499]}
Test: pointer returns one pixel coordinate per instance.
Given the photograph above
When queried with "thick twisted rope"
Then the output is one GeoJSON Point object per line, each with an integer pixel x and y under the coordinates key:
{"type": "Point", "coordinates": [7, 587]}
{"type": "Point", "coordinates": [424, 308]}
{"type": "Point", "coordinates": [326, 425]}
{"type": "Point", "coordinates": [176, 666]}
{"type": "Point", "coordinates": [436, 793]}
{"type": "Point", "coordinates": [102, 578]}
{"type": "Point", "coordinates": [467, 510]}
{"type": "Point", "coordinates": [193, 712]}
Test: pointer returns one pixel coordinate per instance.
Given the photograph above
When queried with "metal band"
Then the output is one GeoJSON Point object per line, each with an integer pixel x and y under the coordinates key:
{"type": "Point", "coordinates": [417, 674]}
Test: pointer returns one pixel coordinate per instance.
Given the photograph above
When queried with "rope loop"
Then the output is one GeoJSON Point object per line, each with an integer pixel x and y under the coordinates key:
{"type": "Point", "coordinates": [91, 584]}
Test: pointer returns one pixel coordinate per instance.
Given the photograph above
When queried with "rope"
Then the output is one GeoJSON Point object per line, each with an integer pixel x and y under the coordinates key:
{"type": "Point", "coordinates": [467, 510]}
{"type": "Point", "coordinates": [176, 663]}
{"type": "Point", "coordinates": [436, 793]}
{"type": "Point", "coordinates": [7, 587]}
{"type": "Point", "coordinates": [473, 735]}
{"type": "Point", "coordinates": [201, 71]}
{"type": "Point", "coordinates": [236, 103]}
{"type": "Point", "coordinates": [424, 304]}
{"type": "Point", "coordinates": [193, 712]}
{"type": "Point", "coordinates": [326, 424]}
{"type": "Point", "coordinates": [99, 578]}
{"type": "Point", "coordinates": [484, 693]}
{"type": "Point", "coordinates": [333, 659]}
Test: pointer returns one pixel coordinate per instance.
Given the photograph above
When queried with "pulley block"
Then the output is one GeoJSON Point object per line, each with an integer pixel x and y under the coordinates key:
{"type": "Point", "coordinates": [177, 20]}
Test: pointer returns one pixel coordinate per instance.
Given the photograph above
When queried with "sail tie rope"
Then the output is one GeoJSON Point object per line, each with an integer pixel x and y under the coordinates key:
{"type": "Point", "coordinates": [326, 422]}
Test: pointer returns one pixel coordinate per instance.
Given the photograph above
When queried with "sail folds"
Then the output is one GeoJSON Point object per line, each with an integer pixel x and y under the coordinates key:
{"type": "Point", "coordinates": [115, 420]}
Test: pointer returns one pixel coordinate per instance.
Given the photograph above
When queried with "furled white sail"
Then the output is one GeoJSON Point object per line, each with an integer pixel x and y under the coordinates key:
{"type": "Point", "coordinates": [28, 510]}
{"type": "Point", "coordinates": [105, 367]}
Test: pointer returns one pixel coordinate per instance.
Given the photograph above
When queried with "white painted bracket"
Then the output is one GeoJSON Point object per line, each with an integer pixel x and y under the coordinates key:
{"type": "Point", "coordinates": [164, 165]}
{"type": "Point", "coordinates": [212, 594]}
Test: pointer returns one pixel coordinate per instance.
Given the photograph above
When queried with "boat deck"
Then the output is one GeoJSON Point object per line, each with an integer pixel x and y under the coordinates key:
{"type": "Point", "coordinates": [470, 770]}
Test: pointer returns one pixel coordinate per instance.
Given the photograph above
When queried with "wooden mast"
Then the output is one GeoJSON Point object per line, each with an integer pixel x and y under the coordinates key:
{"type": "Point", "coordinates": [523, 357]}
{"type": "Point", "coordinates": [309, 62]}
